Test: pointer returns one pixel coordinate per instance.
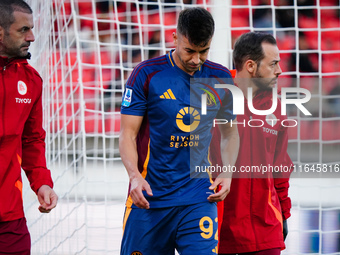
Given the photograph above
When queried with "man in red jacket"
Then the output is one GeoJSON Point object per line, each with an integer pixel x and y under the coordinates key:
{"type": "Point", "coordinates": [253, 216]}
{"type": "Point", "coordinates": [21, 134]}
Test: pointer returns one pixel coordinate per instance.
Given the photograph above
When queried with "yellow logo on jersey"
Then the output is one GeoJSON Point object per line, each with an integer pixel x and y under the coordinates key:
{"type": "Point", "coordinates": [136, 253]}
{"type": "Point", "coordinates": [210, 98]}
{"type": "Point", "coordinates": [168, 95]}
{"type": "Point", "coordinates": [193, 114]}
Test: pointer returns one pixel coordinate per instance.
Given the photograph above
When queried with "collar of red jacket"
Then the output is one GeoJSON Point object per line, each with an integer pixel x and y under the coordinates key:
{"type": "Point", "coordinates": [262, 97]}
{"type": "Point", "coordinates": [5, 60]}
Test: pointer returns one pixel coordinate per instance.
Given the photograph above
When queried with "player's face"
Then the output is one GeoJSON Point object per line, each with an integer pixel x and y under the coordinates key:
{"type": "Point", "coordinates": [16, 41]}
{"type": "Point", "coordinates": [268, 70]}
{"type": "Point", "coordinates": [187, 56]}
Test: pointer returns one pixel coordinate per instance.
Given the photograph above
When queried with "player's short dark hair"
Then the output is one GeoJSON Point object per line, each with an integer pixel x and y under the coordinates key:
{"type": "Point", "coordinates": [197, 25]}
{"type": "Point", "coordinates": [249, 46]}
{"type": "Point", "coordinates": [7, 7]}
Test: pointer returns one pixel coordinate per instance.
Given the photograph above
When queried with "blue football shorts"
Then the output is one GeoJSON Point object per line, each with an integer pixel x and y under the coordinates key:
{"type": "Point", "coordinates": [191, 230]}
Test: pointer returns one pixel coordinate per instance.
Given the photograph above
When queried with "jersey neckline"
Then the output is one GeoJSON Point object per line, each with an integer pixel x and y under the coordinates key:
{"type": "Point", "coordinates": [183, 73]}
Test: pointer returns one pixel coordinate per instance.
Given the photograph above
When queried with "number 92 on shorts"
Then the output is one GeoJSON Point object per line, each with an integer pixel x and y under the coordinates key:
{"type": "Point", "coordinates": [190, 229]}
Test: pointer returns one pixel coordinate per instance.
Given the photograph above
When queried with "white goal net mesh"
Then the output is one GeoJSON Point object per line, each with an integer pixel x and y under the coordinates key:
{"type": "Point", "coordinates": [86, 49]}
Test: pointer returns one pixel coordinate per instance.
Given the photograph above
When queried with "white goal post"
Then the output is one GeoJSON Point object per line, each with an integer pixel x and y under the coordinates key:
{"type": "Point", "coordinates": [85, 50]}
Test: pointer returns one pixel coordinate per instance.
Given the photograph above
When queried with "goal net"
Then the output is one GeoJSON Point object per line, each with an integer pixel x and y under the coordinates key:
{"type": "Point", "coordinates": [86, 49]}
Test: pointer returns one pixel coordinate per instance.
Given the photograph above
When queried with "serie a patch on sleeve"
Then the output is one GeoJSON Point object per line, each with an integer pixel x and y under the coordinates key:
{"type": "Point", "coordinates": [127, 98]}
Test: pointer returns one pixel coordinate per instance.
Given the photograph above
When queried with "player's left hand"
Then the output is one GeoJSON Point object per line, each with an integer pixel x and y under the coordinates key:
{"type": "Point", "coordinates": [224, 183]}
{"type": "Point", "coordinates": [47, 199]}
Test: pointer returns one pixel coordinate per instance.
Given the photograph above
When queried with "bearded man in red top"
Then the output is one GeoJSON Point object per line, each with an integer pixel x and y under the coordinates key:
{"type": "Point", "coordinates": [22, 138]}
{"type": "Point", "coordinates": [252, 218]}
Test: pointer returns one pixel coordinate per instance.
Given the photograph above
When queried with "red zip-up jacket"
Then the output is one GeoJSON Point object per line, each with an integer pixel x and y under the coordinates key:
{"type": "Point", "coordinates": [22, 138]}
{"type": "Point", "coordinates": [250, 217]}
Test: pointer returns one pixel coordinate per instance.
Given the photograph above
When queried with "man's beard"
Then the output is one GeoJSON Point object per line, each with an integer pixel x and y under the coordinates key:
{"type": "Point", "coordinates": [263, 83]}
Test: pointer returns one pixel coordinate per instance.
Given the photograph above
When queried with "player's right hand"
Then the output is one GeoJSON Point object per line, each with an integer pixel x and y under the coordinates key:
{"type": "Point", "coordinates": [138, 184]}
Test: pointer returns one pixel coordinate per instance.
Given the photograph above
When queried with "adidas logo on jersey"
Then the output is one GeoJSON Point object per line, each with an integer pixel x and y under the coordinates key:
{"type": "Point", "coordinates": [168, 95]}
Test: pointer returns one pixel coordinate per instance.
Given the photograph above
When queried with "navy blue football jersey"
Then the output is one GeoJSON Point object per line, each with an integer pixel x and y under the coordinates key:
{"type": "Point", "coordinates": [174, 138]}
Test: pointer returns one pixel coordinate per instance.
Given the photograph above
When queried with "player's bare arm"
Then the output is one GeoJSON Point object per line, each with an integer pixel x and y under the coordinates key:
{"type": "Point", "coordinates": [130, 125]}
{"type": "Point", "coordinates": [230, 142]}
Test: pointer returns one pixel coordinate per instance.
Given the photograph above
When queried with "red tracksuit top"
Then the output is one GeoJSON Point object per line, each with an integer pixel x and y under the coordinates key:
{"type": "Point", "coordinates": [22, 138]}
{"type": "Point", "coordinates": [250, 217]}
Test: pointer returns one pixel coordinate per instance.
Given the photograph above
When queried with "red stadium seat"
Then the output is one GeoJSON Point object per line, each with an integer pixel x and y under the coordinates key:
{"type": "Point", "coordinates": [112, 124]}
{"type": "Point", "coordinates": [330, 130]}
{"type": "Point", "coordinates": [309, 130]}
{"type": "Point", "coordinates": [85, 7]}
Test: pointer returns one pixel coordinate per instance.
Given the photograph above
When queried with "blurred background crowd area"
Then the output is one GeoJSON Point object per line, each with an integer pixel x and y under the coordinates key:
{"type": "Point", "coordinates": [114, 36]}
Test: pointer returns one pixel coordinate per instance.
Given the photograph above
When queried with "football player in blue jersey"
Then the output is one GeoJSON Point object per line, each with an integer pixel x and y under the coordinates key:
{"type": "Point", "coordinates": [164, 141]}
